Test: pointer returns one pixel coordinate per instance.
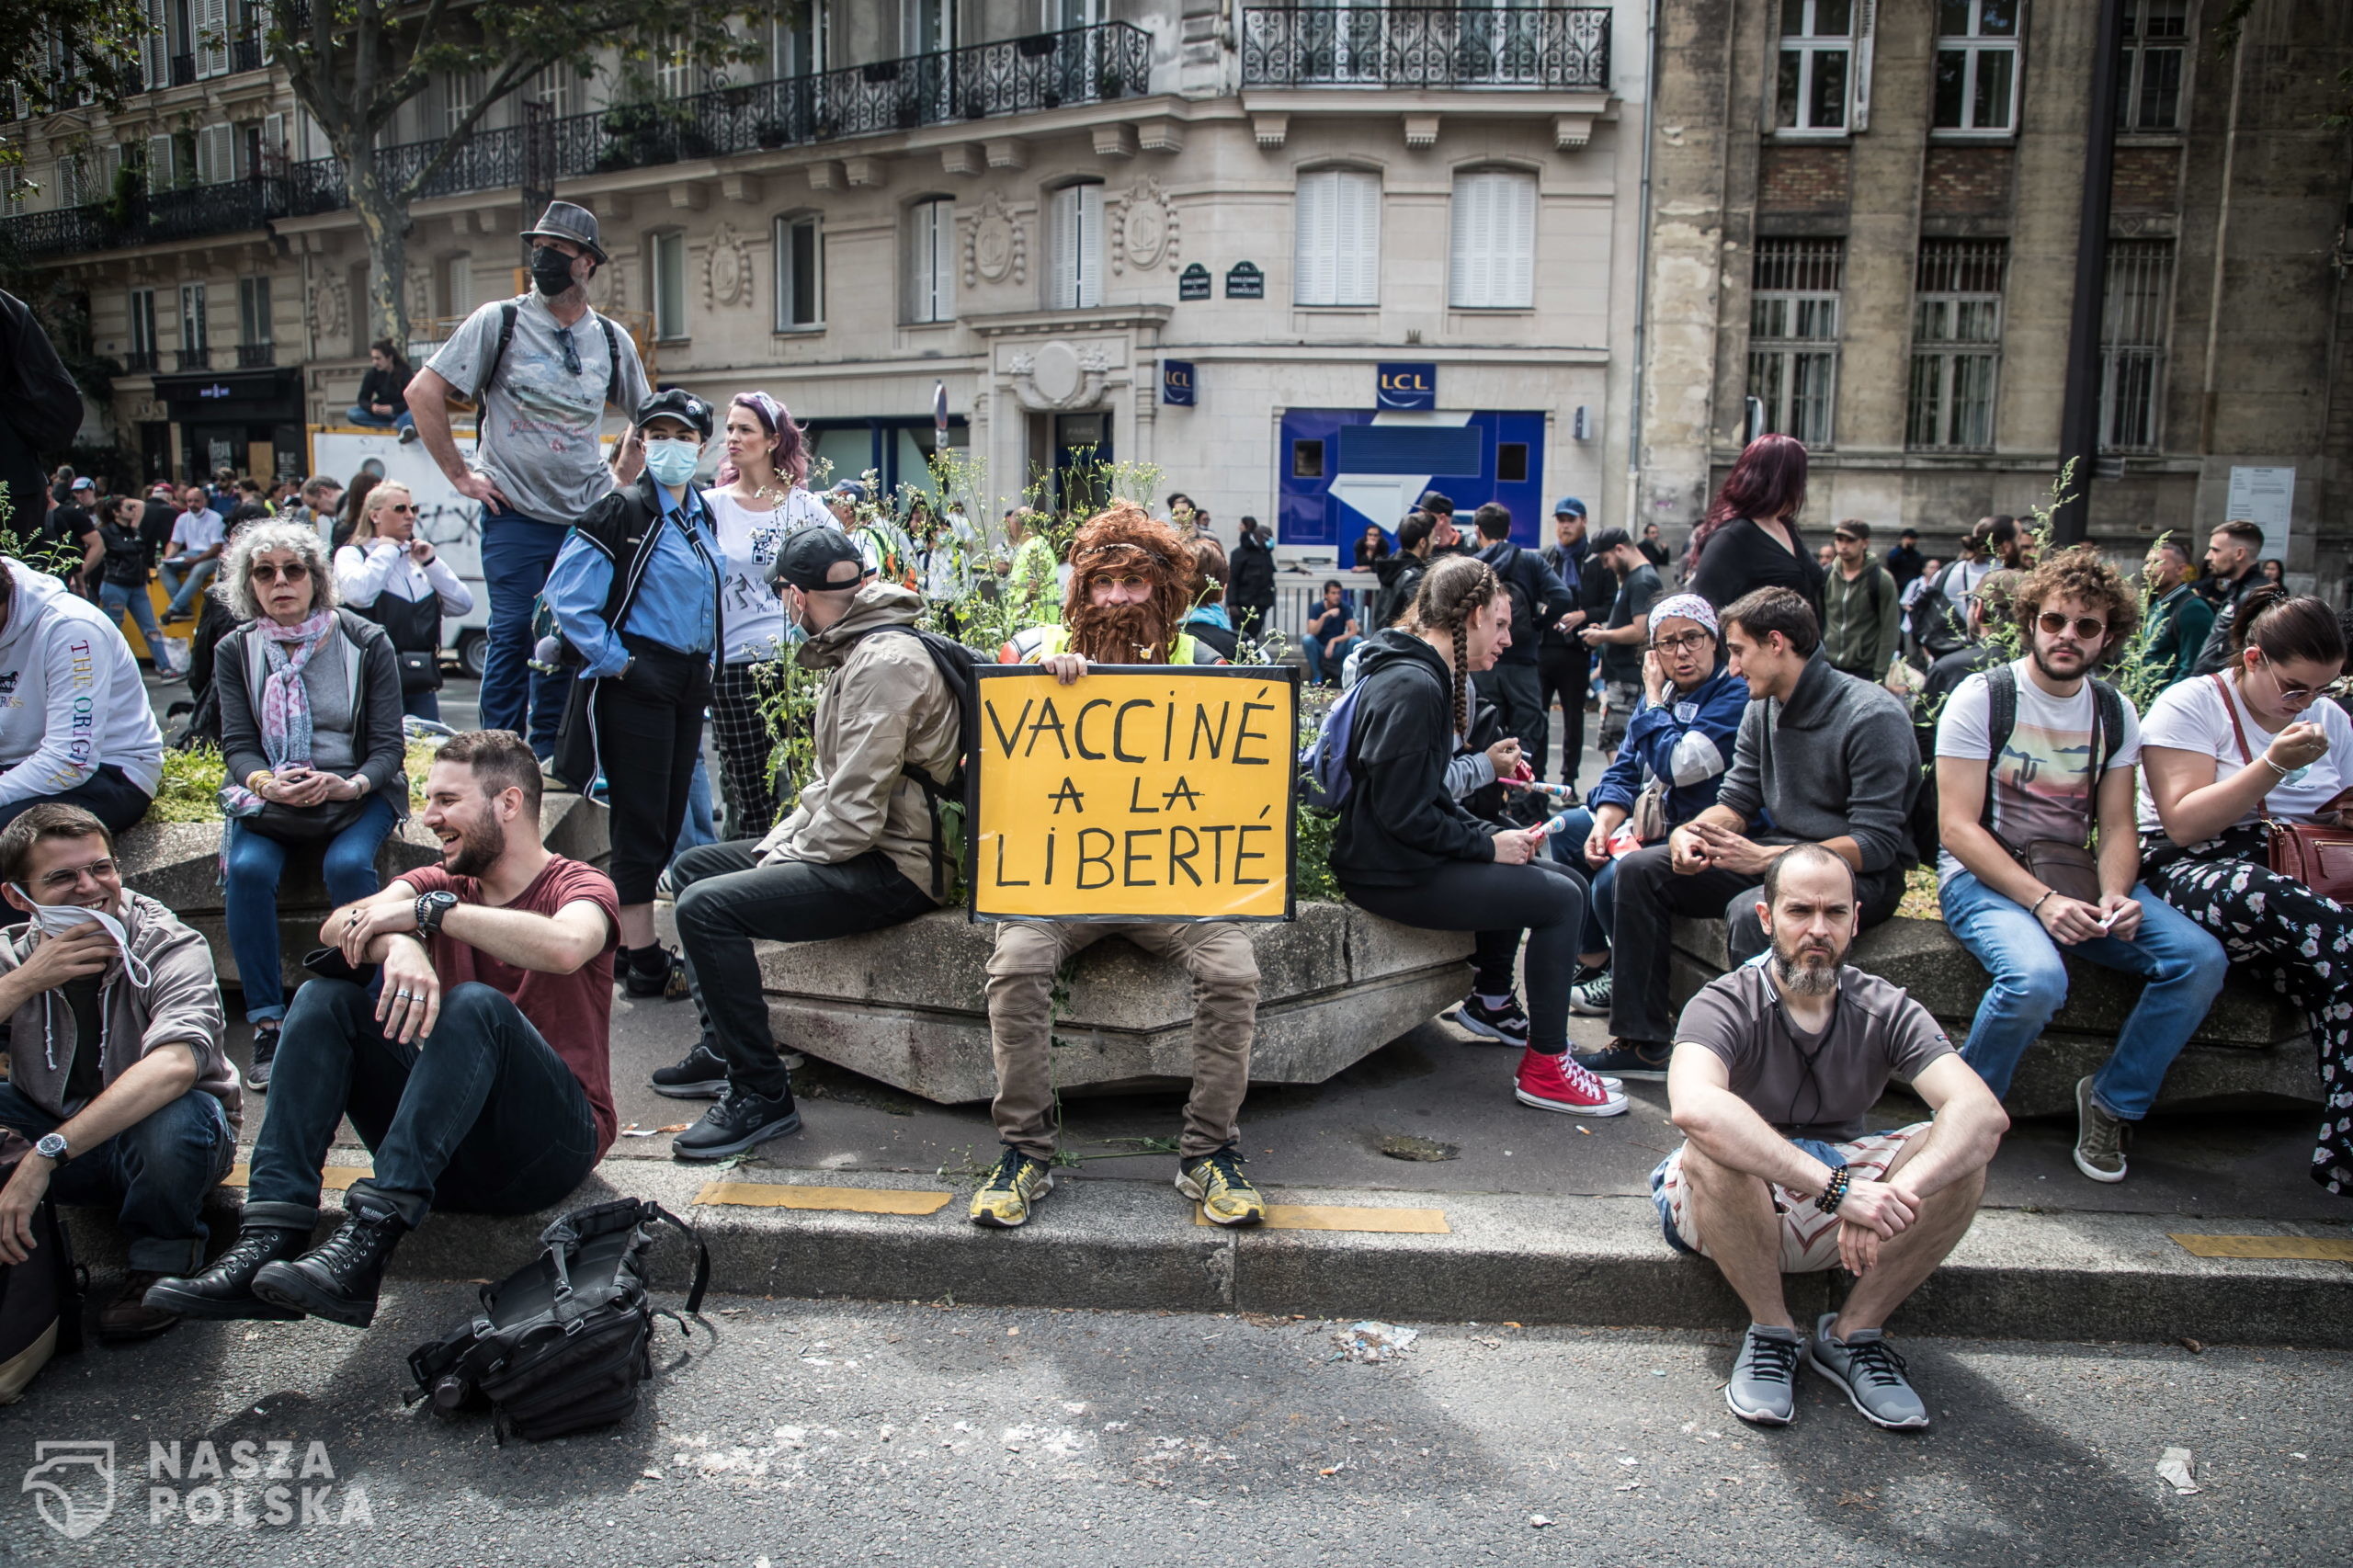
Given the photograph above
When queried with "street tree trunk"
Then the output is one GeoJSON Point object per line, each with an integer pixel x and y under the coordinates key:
{"type": "Point", "coordinates": [383, 221]}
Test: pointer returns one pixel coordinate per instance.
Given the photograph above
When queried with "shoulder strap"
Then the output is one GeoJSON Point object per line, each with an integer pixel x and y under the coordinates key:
{"type": "Point", "coordinates": [2246, 757]}
{"type": "Point", "coordinates": [506, 314]}
{"type": "Point", "coordinates": [613, 364]}
{"type": "Point", "coordinates": [2001, 718]}
{"type": "Point", "coordinates": [2111, 704]}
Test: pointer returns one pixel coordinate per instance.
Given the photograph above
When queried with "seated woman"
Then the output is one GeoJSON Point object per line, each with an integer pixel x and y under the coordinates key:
{"type": "Point", "coordinates": [310, 732]}
{"type": "Point", "coordinates": [396, 579]}
{"type": "Point", "coordinates": [76, 724]}
{"type": "Point", "coordinates": [1408, 851]}
{"type": "Point", "coordinates": [2220, 756]}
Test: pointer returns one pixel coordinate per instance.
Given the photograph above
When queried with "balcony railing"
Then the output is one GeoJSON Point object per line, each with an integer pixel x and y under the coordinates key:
{"type": "Point", "coordinates": [140, 362]}
{"type": "Point", "coordinates": [245, 52]}
{"type": "Point", "coordinates": [1023, 75]}
{"type": "Point", "coordinates": [256, 356]}
{"type": "Point", "coordinates": [183, 70]}
{"type": "Point", "coordinates": [191, 359]}
{"type": "Point", "coordinates": [1425, 46]}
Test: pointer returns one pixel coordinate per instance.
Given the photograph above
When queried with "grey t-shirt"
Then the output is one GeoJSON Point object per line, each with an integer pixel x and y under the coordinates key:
{"type": "Point", "coordinates": [1624, 660]}
{"type": "Point", "coordinates": [327, 679]}
{"type": "Point", "coordinates": [540, 422]}
{"type": "Point", "coordinates": [1813, 1085]}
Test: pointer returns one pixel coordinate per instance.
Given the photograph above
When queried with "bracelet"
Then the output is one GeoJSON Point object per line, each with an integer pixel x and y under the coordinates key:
{"type": "Point", "coordinates": [2277, 770]}
{"type": "Point", "coordinates": [2037, 905]}
{"type": "Point", "coordinates": [258, 778]}
{"type": "Point", "coordinates": [1835, 1192]}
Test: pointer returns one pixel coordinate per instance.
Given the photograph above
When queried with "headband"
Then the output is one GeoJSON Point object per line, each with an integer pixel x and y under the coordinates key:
{"type": "Point", "coordinates": [1690, 606]}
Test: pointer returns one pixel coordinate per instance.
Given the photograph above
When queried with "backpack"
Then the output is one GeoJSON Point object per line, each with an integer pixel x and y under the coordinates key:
{"type": "Point", "coordinates": [1523, 604]}
{"type": "Point", "coordinates": [562, 1343]}
{"type": "Point", "coordinates": [955, 664]}
{"type": "Point", "coordinates": [2001, 718]}
{"type": "Point", "coordinates": [506, 314]}
{"type": "Point", "coordinates": [1323, 777]}
{"type": "Point", "coordinates": [40, 1298]}
{"type": "Point", "coordinates": [1934, 623]}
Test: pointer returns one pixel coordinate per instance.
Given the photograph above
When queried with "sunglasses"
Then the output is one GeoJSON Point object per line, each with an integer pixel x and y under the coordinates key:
{"type": "Point", "coordinates": [293, 572]}
{"type": "Point", "coordinates": [2085, 627]}
{"type": "Point", "coordinates": [2289, 691]}
{"type": "Point", "coordinates": [405, 507]}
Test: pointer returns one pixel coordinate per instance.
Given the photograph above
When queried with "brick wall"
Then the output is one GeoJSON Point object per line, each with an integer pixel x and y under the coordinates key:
{"type": "Point", "coordinates": [1801, 180]}
{"type": "Point", "coordinates": [2146, 179]}
{"type": "Point", "coordinates": [1967, 182]}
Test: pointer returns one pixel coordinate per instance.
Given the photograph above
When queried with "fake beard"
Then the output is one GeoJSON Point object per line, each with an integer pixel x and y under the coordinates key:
{"type": "Point", "coordinates": [1118, 634]}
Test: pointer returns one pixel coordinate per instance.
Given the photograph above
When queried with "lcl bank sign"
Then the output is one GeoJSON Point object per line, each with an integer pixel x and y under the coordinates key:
{"type": "Point", "coordinates": [1407, 386]}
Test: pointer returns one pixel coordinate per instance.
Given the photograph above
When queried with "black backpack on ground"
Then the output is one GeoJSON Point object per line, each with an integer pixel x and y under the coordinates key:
{"type": "Point", "coordinates": [562, 1343]}
{"type": "Point", "coordinates": [955, 664]}
{"type": "Point", "coordinates": [40, 1298]}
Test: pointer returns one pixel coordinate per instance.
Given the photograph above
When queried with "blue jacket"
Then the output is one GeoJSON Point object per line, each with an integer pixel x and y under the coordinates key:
{"type": "Point", "coordinates": [1689, 743]}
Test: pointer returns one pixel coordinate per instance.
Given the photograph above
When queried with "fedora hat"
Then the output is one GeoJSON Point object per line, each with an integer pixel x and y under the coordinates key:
{"type": "Point", "coordinates": [564, 221]}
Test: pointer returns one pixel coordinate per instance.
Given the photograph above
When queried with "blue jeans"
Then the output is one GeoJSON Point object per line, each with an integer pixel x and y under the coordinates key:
{"type": "Point", "coordinates": [152, 1173]}
{"type": "Point", "coordinates": [184, 583]}
{"type": "Point", "coordinates": [256, 863]}
{"type": "Point", "coordinates": [422, 705]}
{"type": "Point", "coordinates": [484, 1107]}
{"type": "Point", "coordinates": [1333, 653]}
{"type": "Point", "coordinates": [517, 553]}
{"type": "Point", "coordinates": [2184, 968]}
{"type": "Point", "coordinates": [116, 597]}
{"type": "Point", "coordinates": [359, 413]}
{"type": "Point", "coordinates": [700, 828]}
{"type": "Point", "coordinates": [1567, 846]}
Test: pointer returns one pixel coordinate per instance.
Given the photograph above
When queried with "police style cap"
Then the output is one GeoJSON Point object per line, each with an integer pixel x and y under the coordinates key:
{"type": "Point", "coordinates": [807, 561]}
{"type": "Point", "coordinates": [675, 403]}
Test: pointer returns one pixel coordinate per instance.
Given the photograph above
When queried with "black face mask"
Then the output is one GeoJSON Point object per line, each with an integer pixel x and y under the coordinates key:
{"type": "Point", "coordinates": [550, 270]}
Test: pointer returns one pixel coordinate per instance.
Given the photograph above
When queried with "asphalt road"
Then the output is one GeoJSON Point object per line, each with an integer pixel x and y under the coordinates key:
{"type": "Point", "coordinates": [830, 1433]}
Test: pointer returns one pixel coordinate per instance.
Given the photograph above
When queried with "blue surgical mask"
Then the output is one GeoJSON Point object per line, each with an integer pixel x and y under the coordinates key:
{"type": "Point", "coordinates": [672, 463]}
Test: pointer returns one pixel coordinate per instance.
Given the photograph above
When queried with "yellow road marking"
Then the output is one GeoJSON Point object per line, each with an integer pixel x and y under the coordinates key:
{"type": "Point", "coordinates": [2317, 1249]}
{"type": "Point", "coordinates": [336, 1179]}
{"type": "Point", "coordinates": [1329, 1217]}
{"type": "Point", "coordinates": [850, 1199]}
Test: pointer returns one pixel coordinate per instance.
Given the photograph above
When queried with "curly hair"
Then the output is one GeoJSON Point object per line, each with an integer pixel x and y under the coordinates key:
{"type": "Point", "coordinates": [2080, 574]}
{"type": "Point", "coordinates": [1451, 593]}
{"type": "Point", "coordinates": [1123, 537]}
{"type": "Point", "coordinates": [234, 587]}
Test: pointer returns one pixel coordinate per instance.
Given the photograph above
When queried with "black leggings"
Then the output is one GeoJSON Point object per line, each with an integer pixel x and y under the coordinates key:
{"type": "Point", "coordinates": [649, 731]}
{"type": "Point", "coordinates": [1544, 899]}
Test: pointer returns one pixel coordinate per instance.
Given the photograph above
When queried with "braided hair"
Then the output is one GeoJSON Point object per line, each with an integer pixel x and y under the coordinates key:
{"type": "Point", "coordinates": [1451, 593]}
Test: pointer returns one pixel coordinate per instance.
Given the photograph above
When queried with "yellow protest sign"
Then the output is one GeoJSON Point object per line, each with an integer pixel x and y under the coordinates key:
{"type": "Point", "coordinates": [1137, 792]}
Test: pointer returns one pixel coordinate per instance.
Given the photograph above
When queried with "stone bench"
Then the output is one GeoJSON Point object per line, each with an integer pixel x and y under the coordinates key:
{"type": "Point", "coordinates": [178, 864]}
{"type": "Point", "coordinates": [907, 1004]}
{"type": "Point", "coordinates": [2251, 1042]}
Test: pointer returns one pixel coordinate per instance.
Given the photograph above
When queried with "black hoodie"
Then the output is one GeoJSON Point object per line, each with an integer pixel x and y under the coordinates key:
{"type": "Point", "coordinates": [1399, 823]}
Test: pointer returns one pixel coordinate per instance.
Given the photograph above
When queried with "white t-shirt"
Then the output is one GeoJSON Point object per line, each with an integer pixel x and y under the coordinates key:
{"type": "Point", "coordinates": [2189, 716]}
{"type": "Point", "coordinates": [195, 532]}
{"type": "Point", "coordinates": [2042, 785]}
{"type": "Point", "coordinates": [749, 541]}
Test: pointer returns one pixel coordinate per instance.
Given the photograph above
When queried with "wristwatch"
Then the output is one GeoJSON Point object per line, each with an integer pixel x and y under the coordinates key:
{"type": "Point", "coordinates": [430, 909]}
{"type": "Point", "coordinates": [51, 1147]}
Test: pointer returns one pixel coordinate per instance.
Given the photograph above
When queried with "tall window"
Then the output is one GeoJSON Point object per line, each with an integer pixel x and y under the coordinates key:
{"type": "Point", "coordinates": [1493, 251]}
{"type": "Point", "coordinates": [73, 181]}
{"type": "Point", "coordinates": [1956, 342]}
{"type": "Point", "coordinates": [143, 342]}
{"type": "Point", "coordinates": [253, 310]}
{"type": "Point", "coordinates": [1817, 64]}
{"type": "Point", "coordinates": [800, 274]}
{"type": "Point", "coordinates": [2156, 44]}
{"type": "Point", "coordinates": [1793, 335]}
{"type": "Point", "coordinates": [1075, 247]}
{"type": "Point", "coordinates": [931, 260]}
{"type": "Point", "coordinates": [669, 254]}
{"type": "Point", "coordinates": [1977, 64]}
{"type": "Point", "coordinates": [215, 155]}
{"type": "Point", "coordinates": [2133, 343]}
{"type": "Point", "coordinates": [1062, 15]}
{"type": "Point", "coordinates": [458, 286]}
{"type": "Point", "coordinates": [192, 341]}
{"type": "Point", "coordinates": [461, 90]}
{"type": "Point", "coordinates": [797, 40]}
{"type": "Point", "coordinates": [927, 27]}
{"type": "Point", "coordinates": [561, 88]}
{"type": "Point", "coordinates": [1337, 259]}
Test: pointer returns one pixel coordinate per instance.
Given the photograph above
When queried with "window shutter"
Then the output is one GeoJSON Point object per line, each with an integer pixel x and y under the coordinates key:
{"type": "Point", "coordinates": [1467, 287]}
{"type": "Point", "coordinates": [273, 144]}
{"type": "Point", "coordinates": [943, 260]}
{"type": "Point", "coordinates": [1515, 274]}
{"type": "Point", "coordinates": [1357, 239]}
{"type": "Point", "coordinates": [1314, 280]}
{"type": "Point", "coordinates": [211, 38]}
{"type": "Point", "coordinates": [154, 49]}
{"type": "Point", "coordinates": [1860, 78]}
{"type": "Point", "coordinates": [1090, 245]}
{"type": "Point", "coordinates": [1062, 283]}
{"type": "Point", "coordinates": [216, 155]}
{"type": "Point", "coordinates": [159, 163]}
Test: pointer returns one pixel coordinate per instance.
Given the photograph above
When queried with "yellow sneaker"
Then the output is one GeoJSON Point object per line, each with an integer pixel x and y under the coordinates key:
{"type": "Point", "coordinates": [1012, 1191]}
{"type": "Point", "coordinates": [1216, 1183]}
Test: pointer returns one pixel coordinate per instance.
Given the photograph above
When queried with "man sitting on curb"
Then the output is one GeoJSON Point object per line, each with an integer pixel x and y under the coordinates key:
{"type": "Point", "coordinates": [856, 856]}
{"type": "Point", "coordinates": [1775, 1066]}
{"type": "Point", "coordinates": [95, 991]}
{"type": "Point", "coordinates": [1129, 587]}
{"type": "Point", "coordinates": [1825, 757]}
{"type": "Point", "coordinates": [477, 1072]}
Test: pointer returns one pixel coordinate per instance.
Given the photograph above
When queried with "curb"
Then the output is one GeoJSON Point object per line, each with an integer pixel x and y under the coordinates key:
{"type": "Point", "coordinates": [1588, 1262]}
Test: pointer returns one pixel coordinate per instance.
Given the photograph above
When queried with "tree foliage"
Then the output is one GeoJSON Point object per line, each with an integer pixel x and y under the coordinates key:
{"type": "Point", "coordinates": [52, 51]}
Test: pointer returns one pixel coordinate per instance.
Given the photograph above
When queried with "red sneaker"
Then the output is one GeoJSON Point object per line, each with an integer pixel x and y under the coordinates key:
{"type": "Point", "coordinates": [1557, 1083]}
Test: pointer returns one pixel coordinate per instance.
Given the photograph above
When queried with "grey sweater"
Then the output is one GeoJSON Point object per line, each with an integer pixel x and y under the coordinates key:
{"type": "Point", "coordinates": [1838, 759]}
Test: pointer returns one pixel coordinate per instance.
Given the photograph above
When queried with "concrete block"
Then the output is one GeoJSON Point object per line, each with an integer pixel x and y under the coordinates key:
{"type": "Point", "coordinates": [906, 1005]}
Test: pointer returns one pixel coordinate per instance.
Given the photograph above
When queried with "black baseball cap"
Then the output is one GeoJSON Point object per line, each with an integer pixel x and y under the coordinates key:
{"type": "Point", "coordinates": [675, 403]}
{"type": "Point", "coordinates": [809, 557]}
{"type": "Point", "coordinates": [1609, 539]}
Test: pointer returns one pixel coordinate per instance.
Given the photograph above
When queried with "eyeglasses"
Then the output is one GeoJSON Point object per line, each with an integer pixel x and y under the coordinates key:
{"type": "Point", "coordinates": [1131, 582]}
{"type": "Point", "coordinates": [2054, 623]}
{"type": "Point", "coordinates": [293, 572]}
{"type": "Point", "coordinates": [1688, 643]}
{"type": "Point", "coordinates": [65, 879]}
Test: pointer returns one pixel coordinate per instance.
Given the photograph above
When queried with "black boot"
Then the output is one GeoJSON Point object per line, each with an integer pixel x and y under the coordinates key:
{"type": "Point", "coordinates": [339, 1281]}
{"type": "Point", "coordinates": [226, 1288]}
{"type": "Point", "coordinates": [645, 972]}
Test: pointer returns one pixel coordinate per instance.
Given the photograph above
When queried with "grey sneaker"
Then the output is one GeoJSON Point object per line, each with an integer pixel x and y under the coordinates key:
{"type": "Point", "coordinates": [2099, 1137]}
{"type": "Point", "coordinates": [1764, 1381]}
{"type": "Point", "coordinates": [1591, 999]}
{"type": "Point", "coordinates": [1872, 1373]}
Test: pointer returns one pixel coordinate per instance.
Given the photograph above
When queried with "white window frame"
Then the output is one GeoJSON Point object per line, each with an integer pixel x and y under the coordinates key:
{"type": "Point", "coordinates": [254, 311]}
{"type": "Point", "coordinates": [1492, 242]}
{"type": "Point", "coordinates": [1336, 248]}
{"type": "Point", "coordinates": [2139, 47]}
{"type": "Point", "coordinates": [1809, 52]}
{"type": "Point", "coordinates": [193, 337]}
{"type": "Point", "coordinates": [1062, 15]}
{"type": "Point", "coordinates": [72, 179]}
{"type": "Point", "coordinates": [561, 87]}
{"type": "Point", "coordinates": [798, 51]}
{"type": "Point", "coordinates": [1956, 344]}
{"type": "Point", "coordinates": [1794, 323]}
{"type": "Point", "coordinates": [461, 90]}
{"type": "Point", "coordinates": [789, 274]}
{"type": "Point", "coordinates": [139, 306]}
{"type": "Point", "coordinates": [216, 153]}
{"type": "Point", "coordinates": [913, 39]}
{"type": "Point", "coordinates": [1074, 246]}
{"type": "Point", "coordinates": [1973, 53]}
{"type": "Point", "coordinates": [2136, 322]}
{"type": "Point", "coordinates": [665, 280]}
{"type": "Point", "coordinates": [931, 260]}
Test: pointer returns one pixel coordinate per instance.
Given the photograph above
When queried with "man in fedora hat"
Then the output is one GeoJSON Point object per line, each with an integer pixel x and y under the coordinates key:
{"type": "Point", "coordinates": [541, 370]}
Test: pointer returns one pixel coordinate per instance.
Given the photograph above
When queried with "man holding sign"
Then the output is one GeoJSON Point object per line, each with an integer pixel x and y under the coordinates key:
{"type": "Point", "coordinates": [1129, 592]}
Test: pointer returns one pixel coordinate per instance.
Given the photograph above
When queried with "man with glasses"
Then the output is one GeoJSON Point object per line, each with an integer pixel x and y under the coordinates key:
{"type": "Point", "coordinates": [116, 1067]}
{"type": "Point", "coordinates": [2031, 756]}
{"type": "Point", "coordinates": [541, 370]}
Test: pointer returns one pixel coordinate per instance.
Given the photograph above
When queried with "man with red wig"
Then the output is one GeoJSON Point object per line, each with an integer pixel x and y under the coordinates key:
{"type": "Point", "coordinates": [1131, 586]}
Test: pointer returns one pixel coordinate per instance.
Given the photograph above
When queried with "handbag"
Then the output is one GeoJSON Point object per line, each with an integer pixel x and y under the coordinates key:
{"type": "Point", "coordinates": [2318, 855]}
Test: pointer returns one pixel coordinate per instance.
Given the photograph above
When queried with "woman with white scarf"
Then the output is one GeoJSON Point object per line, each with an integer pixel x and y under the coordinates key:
{"type": "Point", "coordinates": [310, 732]}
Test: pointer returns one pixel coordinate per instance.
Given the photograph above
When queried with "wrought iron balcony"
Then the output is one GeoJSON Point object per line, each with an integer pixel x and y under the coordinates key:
{"type": "Point", "coordinates": [140, 362]}
{"type": "Point", "coordinates": [188, 213]}
{"type": "Point", "coordinates": [1427, 46]}
{"type": "Point", "coordinates": [192, 358]}
{"type": "Point", "coordinates": [245, 52]}
{"type": "Point", "coordinates": [183, 70]}
{"type": "Point", "coordinates": [256, 356]}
